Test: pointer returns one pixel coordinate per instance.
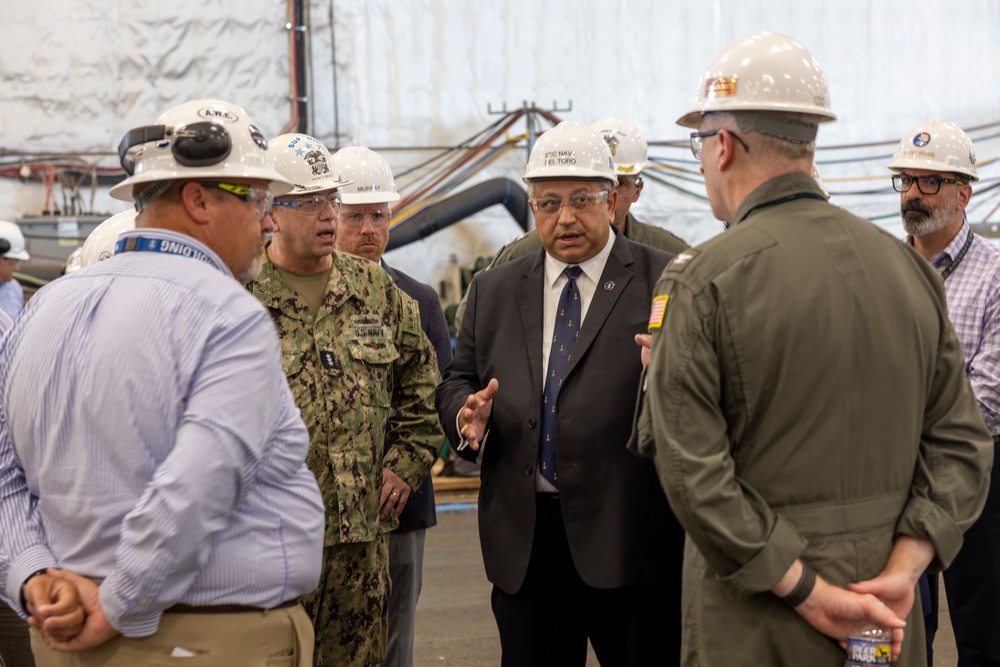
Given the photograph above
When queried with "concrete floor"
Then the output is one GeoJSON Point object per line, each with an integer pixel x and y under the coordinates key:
{"type": "Point", "coordinates": [455, 625]}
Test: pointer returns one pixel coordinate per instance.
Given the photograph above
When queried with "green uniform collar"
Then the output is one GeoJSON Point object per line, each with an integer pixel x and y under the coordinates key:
{"type": "Point", "coordinates": [779, 187]}
{"type": "Point", "coordinates": [343, 285]}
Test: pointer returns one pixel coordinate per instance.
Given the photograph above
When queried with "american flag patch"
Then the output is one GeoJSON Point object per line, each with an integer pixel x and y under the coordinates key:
{"type": "Point", "coordinates": [657, 312]}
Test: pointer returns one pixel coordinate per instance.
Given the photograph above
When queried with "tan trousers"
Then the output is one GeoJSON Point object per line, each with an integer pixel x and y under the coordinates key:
{"type": "Point", "coordinates": [276, 638]}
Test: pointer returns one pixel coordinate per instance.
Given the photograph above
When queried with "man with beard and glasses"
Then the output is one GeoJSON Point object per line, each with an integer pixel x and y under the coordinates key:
{"type": "Point", "coordinates": [934, 166]}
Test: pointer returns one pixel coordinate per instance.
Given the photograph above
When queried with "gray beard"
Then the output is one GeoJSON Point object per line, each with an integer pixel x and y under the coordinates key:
{"type": "Point", "coordinates": [252, 271]}
{"type": "Point", "coordinates": [917, 223]}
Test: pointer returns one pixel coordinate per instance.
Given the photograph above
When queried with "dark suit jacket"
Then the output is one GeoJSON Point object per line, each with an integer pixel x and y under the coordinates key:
{"type": "Point", "coordinates": [618, 523]}
{"type": "Point", "coordinates": [419, 511]}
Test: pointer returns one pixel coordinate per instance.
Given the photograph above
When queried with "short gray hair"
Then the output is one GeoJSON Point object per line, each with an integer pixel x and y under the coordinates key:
{"type": "Point", "coordinates": [786, 134]}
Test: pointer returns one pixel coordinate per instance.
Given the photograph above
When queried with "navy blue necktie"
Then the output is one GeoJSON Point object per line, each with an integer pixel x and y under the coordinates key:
{"type": "Point", "coordinates": [568, 316]}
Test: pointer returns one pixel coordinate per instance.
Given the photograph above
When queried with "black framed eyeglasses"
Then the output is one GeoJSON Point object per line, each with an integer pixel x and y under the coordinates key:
{"type": "Point", "coordinates": [257, 197]}
{"type": "Point", "coordinates": [928, 185]}
{"type": "Point", "coordinates": [311, 204]}
{"type": "Point", "coordinates": [696, 141]}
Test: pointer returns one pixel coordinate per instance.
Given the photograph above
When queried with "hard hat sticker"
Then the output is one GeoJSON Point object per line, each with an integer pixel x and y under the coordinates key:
{"type": "Point", "coordinates": [258, 137]}
{"type": "Point", "coordinates": [922, 139]}
{"type": "Point", "coordinates": [317, 161]}
{"type": "Point", "coordinates": [723, 86]}
{"type": "Point", "coordinates": [612, 143]}
{"type": "Point", "coordinates": [218, 114]}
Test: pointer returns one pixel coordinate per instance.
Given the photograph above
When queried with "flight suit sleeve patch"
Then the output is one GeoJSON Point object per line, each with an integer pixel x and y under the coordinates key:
{"type": "Point", "coordinates": [658, 311]}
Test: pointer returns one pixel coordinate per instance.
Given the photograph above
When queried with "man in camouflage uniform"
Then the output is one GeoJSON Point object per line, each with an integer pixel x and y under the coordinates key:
{"type": "Point", "coordinates": [363, 373]}
{"type": "Point", "coordinates": [629, 152]}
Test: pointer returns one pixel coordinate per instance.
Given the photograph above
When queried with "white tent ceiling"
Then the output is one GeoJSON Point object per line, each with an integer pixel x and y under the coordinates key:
{"type": "Point", "coordinates": [76, 74]}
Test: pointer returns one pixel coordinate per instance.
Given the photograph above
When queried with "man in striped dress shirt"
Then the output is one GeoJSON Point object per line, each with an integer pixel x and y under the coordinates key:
{"type": "Point", "coordinates": [934, 166]}
{"type": "Point", "coordinates": [149, 443]}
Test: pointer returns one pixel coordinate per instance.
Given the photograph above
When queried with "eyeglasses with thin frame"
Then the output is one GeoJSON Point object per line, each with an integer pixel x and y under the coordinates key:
{"type": "Point", "coordinates": [258, 198]}
{"type": "Point", "coordinates": [356, 218]}
{"type": "Point", "coordinates": [697, 137]}
{"type": "Point", "coordinates": [928, 185]}
{"type": "Point", "coordinates": [311, 204]}
{"type": "Point", "coordinates": [579, 202]}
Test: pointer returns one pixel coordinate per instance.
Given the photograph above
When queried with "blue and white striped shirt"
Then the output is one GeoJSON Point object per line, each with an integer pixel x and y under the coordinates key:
{"type": "Point", "coordinates": [148, 440]}
{"type": "Point", "coordinates": [11, 298]}
{"type": "Point", "coordinates": [973, 294]}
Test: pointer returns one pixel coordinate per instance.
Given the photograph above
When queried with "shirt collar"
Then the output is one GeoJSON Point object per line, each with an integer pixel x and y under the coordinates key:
{"type": "Point", "coordinates": [179, 237]}
{"type": "Point", "coordinates": [592, 268]}
{"type": "Point", "coordinates": [950, 251]}
{"type": "Point", "coordinates": [778, 187]}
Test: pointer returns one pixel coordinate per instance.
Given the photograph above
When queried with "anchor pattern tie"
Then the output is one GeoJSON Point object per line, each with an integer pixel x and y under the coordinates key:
{"type": "Point", "coordinates": [564, 337]}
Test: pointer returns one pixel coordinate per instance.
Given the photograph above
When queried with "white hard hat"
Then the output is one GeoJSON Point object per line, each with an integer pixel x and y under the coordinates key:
{"type": "Point", "coordinates": [73, 263]}
{"type": "Point", "coordinates": [101, 243]}
{"type": "Point", "coordinates": [13, 239]}
{"type": "Point", "coordinates": [570, 150]}
{"type": "Point", "coordinates": [628, 146]}
{"type": "Point", "coordinates": [305, 162]}
{"type": "Point", "coordinates": [197, 140]}
{"type": "Point", "coordinates": [368, 174]}
{"type": "Point", "coordinates": [763, 72]}
{"type": "Point", "coordinates": [938, 145]}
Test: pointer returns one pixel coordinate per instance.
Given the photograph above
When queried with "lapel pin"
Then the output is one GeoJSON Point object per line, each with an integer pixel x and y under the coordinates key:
{"type": "Point", "coordinates": [608, 286]}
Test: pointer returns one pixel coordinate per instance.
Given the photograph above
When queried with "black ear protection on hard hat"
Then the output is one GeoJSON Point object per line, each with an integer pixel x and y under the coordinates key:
{"type": "Point", "coordinates": [193, 145]}
{"type": "Point", "coordinates": [4, 247]}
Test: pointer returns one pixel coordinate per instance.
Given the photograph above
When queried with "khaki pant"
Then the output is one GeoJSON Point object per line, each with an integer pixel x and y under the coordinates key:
{"type": "Point", "coordinates": [276, 638]}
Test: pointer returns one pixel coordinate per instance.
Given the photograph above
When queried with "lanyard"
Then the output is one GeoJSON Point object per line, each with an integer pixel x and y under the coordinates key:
{"type": "Point", "coordinates": [783, 200]}
{"type": "Point", "coordinates": [168, 246]}
{"type": "Point", "coordinates": [958, 258]}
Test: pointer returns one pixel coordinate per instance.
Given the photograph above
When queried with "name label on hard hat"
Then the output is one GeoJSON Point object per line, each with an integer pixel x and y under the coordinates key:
{"type": "Point", "coordinates": [722, 86]}
{"type": "Point", "coordinates": [167, 246]}
{"type": "Point", "coordinates": [218, 114]}
{"type": "Point", "coordinates": [560, 157]}
{"type": "Point", "coordinates": [910, 152]}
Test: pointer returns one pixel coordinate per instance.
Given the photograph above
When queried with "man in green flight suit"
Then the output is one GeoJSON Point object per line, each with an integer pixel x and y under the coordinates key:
{"type": "Point", "coordinates": [363, 374]}
{"type": "Point", "coordinates": [806, 402]}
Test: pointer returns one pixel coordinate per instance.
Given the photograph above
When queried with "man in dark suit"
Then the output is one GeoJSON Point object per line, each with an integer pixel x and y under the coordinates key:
{"type": "Point", "coordinates": [577, 537]}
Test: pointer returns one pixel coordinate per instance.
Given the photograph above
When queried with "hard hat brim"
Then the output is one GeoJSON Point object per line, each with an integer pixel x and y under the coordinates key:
{"type": "Point", "coordinates": [124, 191]}
{"type": "Point", "coordinates": [369, 197]}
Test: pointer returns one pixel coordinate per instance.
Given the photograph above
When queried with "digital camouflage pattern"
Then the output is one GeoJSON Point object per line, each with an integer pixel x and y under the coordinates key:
{"type": "Point", "coordinates": [350, 607]}
{"type": "Point", "coordinates": [363, 374]}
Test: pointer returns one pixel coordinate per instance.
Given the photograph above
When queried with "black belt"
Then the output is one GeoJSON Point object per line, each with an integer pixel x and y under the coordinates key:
{"type": "Point", "coordinates": [546, 497]}
{"type": "Point", "coordinates": [225, 608]}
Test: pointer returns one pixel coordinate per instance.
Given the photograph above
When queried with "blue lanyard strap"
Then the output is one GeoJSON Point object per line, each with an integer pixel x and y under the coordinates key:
{"type": "Point", "coordinates": [958, 258]}
{"type": "Point", "coordinates": [168, 246]}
